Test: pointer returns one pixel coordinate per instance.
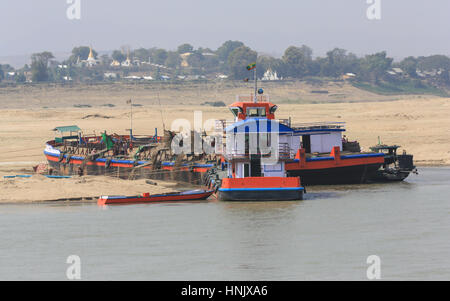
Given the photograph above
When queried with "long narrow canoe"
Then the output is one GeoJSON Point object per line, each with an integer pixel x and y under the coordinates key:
{"type": "Point", "coordinates": [192, 195]}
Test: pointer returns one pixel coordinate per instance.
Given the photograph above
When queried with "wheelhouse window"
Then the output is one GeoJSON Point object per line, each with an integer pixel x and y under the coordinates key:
{"type": "Point", "coordinates": [273, 109]}
{"type": "Point", "coordinates": [236, 111]}
{"type": "Point", "coordinates": [256, 112]}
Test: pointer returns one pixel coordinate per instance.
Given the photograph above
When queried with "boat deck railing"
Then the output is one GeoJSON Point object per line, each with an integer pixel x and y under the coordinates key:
{"type": "Point", "coordinates": [318, 126]}
{"type": "Point", "coordinates": [222, 124]}
{"type": "Point", "coordinates": [284, 153]}
{"type": "Point", "coordinates": [251, 98]}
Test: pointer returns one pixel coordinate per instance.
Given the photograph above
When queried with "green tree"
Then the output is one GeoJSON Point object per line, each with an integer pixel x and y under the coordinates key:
{"type": "Point", "coordinates": [211, 63]}
{"type": "Point", "coordinates": [239, 59]}
{"type": "Point", "coordinates": [21, 78]}
{"type": "Point", "coordinates": [185, 48]}
{"type": "Point", "coordinates": [141, 54]}
{"type": "Point", "coordinates": [339, 62]}
{"type": "Point", "coordinates": [117, 55]}
{"type": "Point", "coordinates": [444, 77]}
{"type": "Point", "coordinates": [374, 66]}
{"type": "Point", "coordinates": [2, 73]}
{"type": "Point", "coordinates": [81, 53]}
{"type": "Point", "coordinates": [173, 60]}
{"type": "Point", "coordinates": [227, 48]}
{"type": "Point", "coordinates": [434, 62]}
{"type": "Point", "coordinates": [39, 66]}
{"type": "Point", "coordinates": [196, 59]}
{"type": "Point", "coordinates": [409, 66]}
{"type": "Point", "coordinates": [298, 61]}
{"type": "Point", "coordinates": [159, 56]}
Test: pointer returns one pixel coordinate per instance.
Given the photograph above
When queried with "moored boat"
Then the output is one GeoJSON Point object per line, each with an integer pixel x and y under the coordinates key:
{"type": "Point", "coordinates": [319, 153]}
{"type": "Point", "coordinates": [256, 151]}
{"type": "Point", "coordinates": [123, 156]}
{"type": "Point", "coordinates": [192, 195]}
{"type": "Point", "coordinates": [396, 167]}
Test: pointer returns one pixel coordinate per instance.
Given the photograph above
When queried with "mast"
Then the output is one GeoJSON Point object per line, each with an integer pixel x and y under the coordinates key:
{"type": "Point", "coordinates": [256, 86]}
{"type": "Point", "coordinates": [131, 118]}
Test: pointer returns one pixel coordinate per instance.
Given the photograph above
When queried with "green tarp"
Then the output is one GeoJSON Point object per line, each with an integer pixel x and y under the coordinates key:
{"type": "Point", "coordinates": [108, 141]}
{"type": "Point", "coordinates": [66, 129]}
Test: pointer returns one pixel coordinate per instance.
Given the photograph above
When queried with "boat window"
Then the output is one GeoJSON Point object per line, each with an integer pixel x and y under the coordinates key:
{"type": "Point", "coordinates": [235, 111]}
{"type": "Point", "coordinates": [273, 109]}
{"type": "Point", "coordinates": [246, 170]}
{"type": "Point", "coordinates": [256, 112]}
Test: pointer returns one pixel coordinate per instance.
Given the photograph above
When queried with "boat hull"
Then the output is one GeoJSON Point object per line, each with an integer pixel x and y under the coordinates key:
{"type": "Point", "coordinates": [260, 189]}
{"type": "Point", "coordinates": [356, 174]}
{"type": "Point", "coordinates": [252, 194]}
{"type": "Point", "coordinates": [386, 176]}
{"type": "Point", "coordinates": [335, 168]}
{"type": "Point", "coordinates": [72, 165]}
{"type": "Point", "coordinates": [171, 197]}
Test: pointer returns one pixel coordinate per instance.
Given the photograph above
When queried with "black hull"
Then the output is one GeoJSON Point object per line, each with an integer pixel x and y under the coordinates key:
{"type": "Point", "coordinates": [382, 176]}
{"type": "Point", "coordinates": [252, 195]}
{"type": "Point", "coordinates": [357, 174]}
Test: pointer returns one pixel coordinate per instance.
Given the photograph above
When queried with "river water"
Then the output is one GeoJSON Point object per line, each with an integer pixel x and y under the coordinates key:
{"type": "Point", "coordinates": [328, 236]}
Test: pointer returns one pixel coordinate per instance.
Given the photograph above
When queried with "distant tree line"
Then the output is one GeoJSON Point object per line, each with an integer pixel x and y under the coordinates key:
{"type": "Point", "coordinates": [231, 59]}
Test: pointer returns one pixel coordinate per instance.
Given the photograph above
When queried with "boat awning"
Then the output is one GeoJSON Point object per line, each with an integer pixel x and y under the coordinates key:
{"type": "Point", "coordinates": [66, 129]}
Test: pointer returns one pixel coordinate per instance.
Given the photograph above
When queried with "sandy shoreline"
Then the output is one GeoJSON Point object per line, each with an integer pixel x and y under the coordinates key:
{"type": "Point", "coordinates": [419, 124]}
{"type": "Point", "coordinates": [41, 189]}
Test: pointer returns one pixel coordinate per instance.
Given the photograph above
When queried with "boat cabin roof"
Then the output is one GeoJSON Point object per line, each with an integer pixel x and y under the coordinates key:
{"type": "Point", "coordinates": [243, 110]}
{"type": "Point", "coordinates": [67, 129]}
{"type": "Point", "coordinates": [384, 147]}
{"type": "Point", "coordinates": [259, 125]}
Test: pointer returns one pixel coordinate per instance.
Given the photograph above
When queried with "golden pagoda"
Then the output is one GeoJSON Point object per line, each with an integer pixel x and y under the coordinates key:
{"type": "Point", "coordinates": [127, 62]}
{"type": "Point", "coordinates": [91, 61]}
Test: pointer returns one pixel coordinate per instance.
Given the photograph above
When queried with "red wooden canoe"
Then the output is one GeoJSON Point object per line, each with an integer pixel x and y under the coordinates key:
{"type": "Point", "coordinates": [191, 195]}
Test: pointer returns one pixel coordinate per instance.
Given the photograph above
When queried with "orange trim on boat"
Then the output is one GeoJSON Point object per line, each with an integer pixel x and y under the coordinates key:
{"type": "Point", "coordinates": [261, 182]}
{"type": "Point", "coordinates": [336, 162]}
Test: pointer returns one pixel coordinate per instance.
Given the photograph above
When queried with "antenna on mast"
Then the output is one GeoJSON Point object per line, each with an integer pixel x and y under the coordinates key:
{"type": "Point", "coordinates": [130, 101]}
{"type": "Point", "coordinates": [256, 86]}
{"type": "Point", "coordinates": [250, 67]}
{"type": "Point", "coordinates": [160, 109]}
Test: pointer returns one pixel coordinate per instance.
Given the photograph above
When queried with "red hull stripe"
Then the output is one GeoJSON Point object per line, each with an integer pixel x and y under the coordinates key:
{"type": "Point", "coordinates": [154, 199]}
{"type": "Point", "coordinates": [334, 163]}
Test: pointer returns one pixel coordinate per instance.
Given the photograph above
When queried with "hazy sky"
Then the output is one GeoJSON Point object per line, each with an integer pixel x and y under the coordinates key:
{"type": "Point", "coordinates": [407, 27]}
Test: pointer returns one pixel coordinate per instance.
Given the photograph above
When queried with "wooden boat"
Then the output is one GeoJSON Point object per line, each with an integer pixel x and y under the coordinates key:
{"type": "Point", "coordinates": [123, 156]}
{"type": "Point", "coordinates": [192, 195]}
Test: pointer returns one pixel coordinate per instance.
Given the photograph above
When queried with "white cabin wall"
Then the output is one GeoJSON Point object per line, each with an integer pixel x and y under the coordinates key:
{"type": "Point", "coordinates": [334, 139]}
{"type": "Point", "coordinates": [275, 170]}
{"type": "Point", "coordinates": [325, 143]}
{"type": "Point", "coordinates": [295, 143]}
{"type": "Point", "coordinates": [316, 143]}
{"type": "Point", "coordinates": [239, 170]}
